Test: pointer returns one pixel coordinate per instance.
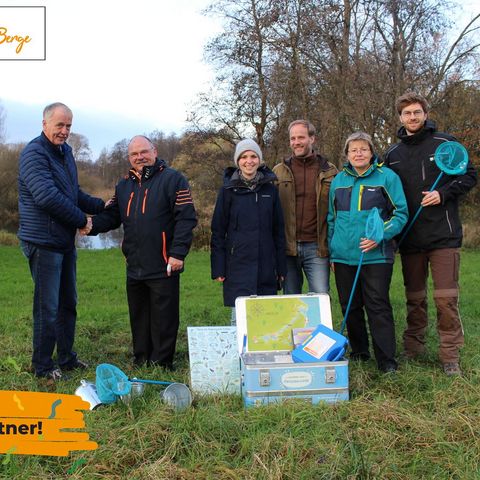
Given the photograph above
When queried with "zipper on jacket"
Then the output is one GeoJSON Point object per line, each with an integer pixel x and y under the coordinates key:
{"type": "Point", "coordinates": [360, 194]}
{"type": "Point", "coordinates": [304, 194]}
{"type": "Point", "coordinates": [423, 170]}
{"type": "Point", "coordinates": [144, 200]}
{"type": "Point", "coordinates": [448, 221]}
{"type": "Point", "coordinates": [129, 204]}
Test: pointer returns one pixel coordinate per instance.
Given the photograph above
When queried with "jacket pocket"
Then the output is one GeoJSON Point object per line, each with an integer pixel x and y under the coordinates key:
{"type": "Point", "coordinates": [343, 198]}
{"type": "Point", "coordinates": [449, 222]}
{"type": "Point", "coordinates": [372, 196]}
{"type": "Point", "coordinates": [28, 249]}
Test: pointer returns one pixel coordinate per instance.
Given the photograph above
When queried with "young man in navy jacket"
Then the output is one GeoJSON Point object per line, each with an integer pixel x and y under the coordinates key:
{"type": "Point", "coordinates": [435, 237]}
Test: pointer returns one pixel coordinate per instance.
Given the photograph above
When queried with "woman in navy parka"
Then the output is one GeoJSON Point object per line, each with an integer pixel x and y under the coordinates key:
{"type": "Point", "coordinates": [248, 237]}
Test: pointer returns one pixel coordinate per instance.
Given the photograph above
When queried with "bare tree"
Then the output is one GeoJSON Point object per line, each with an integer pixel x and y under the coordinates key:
{"type": "Point", "coordinates": [8, 186]}
{"type": "Point", "coordinates": [340, 63]}
{"type": "Point", "coordinates": [80, 147]}
{"type": "Point", "coordinates": [243, 56]}
{"type": "Point", "coordinates": [3, 116]}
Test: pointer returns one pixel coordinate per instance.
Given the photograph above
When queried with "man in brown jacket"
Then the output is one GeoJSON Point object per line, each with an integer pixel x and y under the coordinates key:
{"type": "Point", "coordinates": [303, 183]}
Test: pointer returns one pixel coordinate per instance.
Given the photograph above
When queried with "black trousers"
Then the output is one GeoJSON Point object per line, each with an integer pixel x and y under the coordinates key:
{"type": "Point", "coordinates": [371, 294]}
{"type": "Point", "coordinates": [154, 318]}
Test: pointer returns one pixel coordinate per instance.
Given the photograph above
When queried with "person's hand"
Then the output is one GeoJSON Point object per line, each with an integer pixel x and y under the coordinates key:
{"type": "Point", "coordinates": [173, 265]}
{"type": "Point", "coordinates": [87, 228]}
{"type": "Point", "coordinates": [366, 245]}
{"type": "Point", "coordinates": [220, 279]}
{"type": "Point", "coordinates": [430, 198]}
{"type": "Point", "coordinates": [110, 201]}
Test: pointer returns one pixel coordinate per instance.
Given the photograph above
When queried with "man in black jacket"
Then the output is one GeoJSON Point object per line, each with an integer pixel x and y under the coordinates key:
{"type": "Point", "coordinates": [435, 237]}
{"type": "Point", "coordinates": [154, 204]}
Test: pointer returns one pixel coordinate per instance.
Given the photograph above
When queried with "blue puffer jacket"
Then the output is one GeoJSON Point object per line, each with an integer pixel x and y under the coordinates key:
{"type": "Point", "coordinates": [352, 197]}
{"type": "Point", "coordinates": [51, 204]}
{"type": "Point", "coordinates": [248, 237]}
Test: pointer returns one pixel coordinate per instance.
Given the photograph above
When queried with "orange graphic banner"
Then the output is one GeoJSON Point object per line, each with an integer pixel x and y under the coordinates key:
{"type": "Point", "coordinates": [36, 423]}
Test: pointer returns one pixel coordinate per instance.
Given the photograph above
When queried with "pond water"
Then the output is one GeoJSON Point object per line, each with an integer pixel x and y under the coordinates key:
{"type": "Point", "coordinates": [111, 239]}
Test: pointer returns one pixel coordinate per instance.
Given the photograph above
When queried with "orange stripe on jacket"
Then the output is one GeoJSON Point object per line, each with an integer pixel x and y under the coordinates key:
{"type": "Point", "coordinates": [129, 203]}
{"type": "Point", "coordinates": [164, 249]}
{"type": "Point", "coordinates": [144, 200]}
{"type": "Point", "coordinates": [184, 197]}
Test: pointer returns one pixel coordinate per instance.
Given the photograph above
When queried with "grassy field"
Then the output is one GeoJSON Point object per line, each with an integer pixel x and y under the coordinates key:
{"type": "Point", "coordinates": [417, 424]}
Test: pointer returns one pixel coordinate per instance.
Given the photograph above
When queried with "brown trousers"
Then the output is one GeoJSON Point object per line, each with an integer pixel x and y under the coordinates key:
{"type": "Point", "coordinates": [444, 265]}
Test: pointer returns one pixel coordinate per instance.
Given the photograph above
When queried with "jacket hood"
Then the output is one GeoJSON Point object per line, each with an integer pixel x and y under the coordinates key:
{"type": "Point", "coordinates": [428, 129]}
{"type": "Point", "coordinates": [231, 177]}
{"type": "Point", "coordinates": [376, 162]}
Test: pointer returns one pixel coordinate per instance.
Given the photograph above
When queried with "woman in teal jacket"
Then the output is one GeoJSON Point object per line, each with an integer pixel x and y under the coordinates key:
{"type": "Point", "coordinates": [364, 184]}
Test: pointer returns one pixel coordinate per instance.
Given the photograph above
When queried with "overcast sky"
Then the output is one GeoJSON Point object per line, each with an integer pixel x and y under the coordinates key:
{"type": "Point", "coordinates": [124, 67]}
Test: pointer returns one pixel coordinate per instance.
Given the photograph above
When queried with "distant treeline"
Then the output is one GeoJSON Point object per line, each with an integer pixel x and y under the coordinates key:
{"type": "Point", "coordinates": [340, 64]}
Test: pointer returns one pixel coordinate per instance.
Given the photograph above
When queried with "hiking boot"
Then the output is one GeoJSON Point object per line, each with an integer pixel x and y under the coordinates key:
{"type": "Point", "coordinates": [388, 367]}
{"type": "Point", "coordinates": [389, 370]}
{"type": "Point", "coordinates": [452, 369]}
{"type": "Point", "coordinates": [408, 355]}
{"type": "Point", "coordinates": [359, 357]}
{"type": "Point", "coordinates": [54, 376]}
{"type": "Point", "coordinates": [76, 365]}
{"type": "Point", "coordinates": [166, 366]}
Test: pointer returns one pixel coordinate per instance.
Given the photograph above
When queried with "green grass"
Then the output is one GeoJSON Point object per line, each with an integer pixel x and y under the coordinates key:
{"type": "Point", "coordinates": [418, 424]}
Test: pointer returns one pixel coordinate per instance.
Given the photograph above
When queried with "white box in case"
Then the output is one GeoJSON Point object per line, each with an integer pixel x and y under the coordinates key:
{"type": "Point", "coordinates": [268, 373]}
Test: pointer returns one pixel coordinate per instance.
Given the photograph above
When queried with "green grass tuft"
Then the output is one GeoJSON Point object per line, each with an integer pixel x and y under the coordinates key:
{"type": "Point", "coordinates": [417, 424]}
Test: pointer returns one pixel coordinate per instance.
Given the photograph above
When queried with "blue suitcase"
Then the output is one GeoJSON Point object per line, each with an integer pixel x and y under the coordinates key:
{"type": "Point", "coordinates": [268, 373]}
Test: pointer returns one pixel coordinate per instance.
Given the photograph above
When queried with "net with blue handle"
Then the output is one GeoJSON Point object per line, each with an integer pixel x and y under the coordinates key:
{"type": "Point", "coordinates": [374, 230]}
{"type": "Point", "coordinates": [452, 159]}
{"type": "Point", "coordinates": [111, 382]}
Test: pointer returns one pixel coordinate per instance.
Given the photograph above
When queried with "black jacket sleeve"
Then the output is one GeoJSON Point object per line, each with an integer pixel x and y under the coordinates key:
{"type": "Point", "coordinates": [185, 219]}
{"type": "Point", "coordinates": [218, 240]}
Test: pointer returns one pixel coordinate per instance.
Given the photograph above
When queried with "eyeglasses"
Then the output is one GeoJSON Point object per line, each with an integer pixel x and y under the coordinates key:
{"type": "Point", "coordinates": [142, 153]}
{"type": "Point", "coordinates": [359, 150]}
{"type": "Point", "coordinates": [415, 113]}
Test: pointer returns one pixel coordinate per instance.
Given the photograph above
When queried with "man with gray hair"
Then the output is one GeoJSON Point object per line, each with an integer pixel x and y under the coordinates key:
{"type": "Point", "coordinates": [303, 184]}
{"type": "Point", "coordinates": [52, 206]}
{"type": "Point", "coordinates": [154, 205]}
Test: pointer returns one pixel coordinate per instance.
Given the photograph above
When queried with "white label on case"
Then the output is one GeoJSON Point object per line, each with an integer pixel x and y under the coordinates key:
{"type": "Point", "coordinates": [319, 345]}
{"type": "Point", "coordinates": [296, 379]}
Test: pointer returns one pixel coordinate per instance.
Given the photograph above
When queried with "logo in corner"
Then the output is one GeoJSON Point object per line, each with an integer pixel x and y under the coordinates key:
{"type": "Point", "coordinates": [22, 33]}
